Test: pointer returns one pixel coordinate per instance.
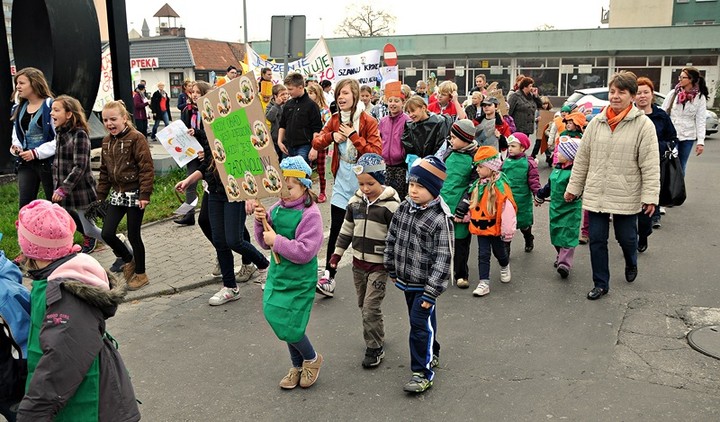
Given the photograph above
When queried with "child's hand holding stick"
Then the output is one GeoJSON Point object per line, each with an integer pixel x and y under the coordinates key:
{"type": "Point", "coordinates": [261, 215]}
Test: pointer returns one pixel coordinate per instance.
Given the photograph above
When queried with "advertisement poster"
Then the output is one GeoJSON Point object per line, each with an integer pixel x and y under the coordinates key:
{"type": "Point", "coordinates": [363, 67]}
{"type": "Point", "coordinates": [182, 147]}
{"type": "Point", "coordinates": [240, 140]}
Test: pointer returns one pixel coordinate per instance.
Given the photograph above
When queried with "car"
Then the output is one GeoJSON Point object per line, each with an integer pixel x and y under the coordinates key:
{"type": "Point", "coordinates": [598, 97]}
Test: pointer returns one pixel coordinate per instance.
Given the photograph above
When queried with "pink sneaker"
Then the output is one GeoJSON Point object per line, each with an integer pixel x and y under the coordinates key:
{"type": "Point", "coordinates": [322, 198]}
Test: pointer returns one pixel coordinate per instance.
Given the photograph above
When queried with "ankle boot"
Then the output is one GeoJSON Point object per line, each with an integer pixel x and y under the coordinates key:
{"type": "Point", "coordinates": [187, 219]}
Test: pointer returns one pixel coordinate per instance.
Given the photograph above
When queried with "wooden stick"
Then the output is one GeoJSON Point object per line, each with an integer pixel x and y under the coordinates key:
{"type": "Point", "coordinates": [267, 228]}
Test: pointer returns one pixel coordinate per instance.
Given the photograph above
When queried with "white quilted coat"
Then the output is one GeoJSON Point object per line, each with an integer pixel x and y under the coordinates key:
{"type": "Point", "coordinates": [617, 172]}
{"type": "Point", "coordinates": [690, 120]}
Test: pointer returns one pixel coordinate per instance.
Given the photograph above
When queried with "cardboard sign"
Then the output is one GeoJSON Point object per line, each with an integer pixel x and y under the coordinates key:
{"type": "Point", "coordinates": [182, 147]}
{"type": "Point", "coordinates": [240, 141]}
{"type": "Point", "coordinates": [544, 119]}
{"type": "Point", "coordinates": [494, 91]}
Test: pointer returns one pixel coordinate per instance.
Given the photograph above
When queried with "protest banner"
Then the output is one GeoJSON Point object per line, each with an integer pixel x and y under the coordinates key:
{"type": "Point", "coordinates": [182, 147]}
{"type": "Point", "coordinates": [105, 90]}
{"type": "Point", "coordinates": [363, 67]}
{"type": "Point", "coordinates": [317, 62]}
{"type": "Point", "coordinates": [240, 142]}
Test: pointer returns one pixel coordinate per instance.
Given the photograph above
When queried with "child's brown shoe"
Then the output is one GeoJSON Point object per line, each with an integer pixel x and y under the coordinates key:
{"type": "Point", "coordinates": [310, 371]}
{"type": "Point", "coordinates": [292, 379]}
{"type": "Point", "coordinates": [138, 281]}
{"type": "Point", "coordinates": [128, 270]}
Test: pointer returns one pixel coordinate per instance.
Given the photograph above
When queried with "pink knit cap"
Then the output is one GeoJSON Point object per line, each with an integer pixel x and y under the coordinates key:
{"type": "Point", "coordinates": [45, 231]}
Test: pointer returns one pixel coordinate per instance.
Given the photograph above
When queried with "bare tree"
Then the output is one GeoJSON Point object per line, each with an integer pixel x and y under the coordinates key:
{"type": "Point", "coordinates": [545, 27]}
{"type": "Point", "coordinates": [364, 21]}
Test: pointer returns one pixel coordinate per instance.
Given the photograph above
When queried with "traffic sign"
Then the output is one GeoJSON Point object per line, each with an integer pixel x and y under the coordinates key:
{"type": "Point", "coordinates": [390, 55]}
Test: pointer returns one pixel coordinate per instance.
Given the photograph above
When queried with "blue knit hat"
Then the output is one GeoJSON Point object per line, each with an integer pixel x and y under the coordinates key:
{"type": "Point", "coordinates": [372, 164]}
{"type": "Point", "coordinates": [298, 168]}
{"type": "Point", "coordinates": [429, 172]}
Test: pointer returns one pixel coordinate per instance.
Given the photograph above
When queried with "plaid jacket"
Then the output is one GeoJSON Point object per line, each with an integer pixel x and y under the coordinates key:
{"type": "Point", "coordinates": [419, 248]}
{"type": "Point", "coordinates": [71, 168]}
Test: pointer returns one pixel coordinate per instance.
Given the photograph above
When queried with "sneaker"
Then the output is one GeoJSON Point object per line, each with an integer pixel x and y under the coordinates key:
{"type": "Point", "coordinates": [216, 273]}
{"type": "Point", "coordinates": [435, 361]}
{"type": "Point", "coordinates": [418, 383]}
{"type": "Point", "coordinates": [373, 357]}
{"type": "Point", "coordinates": [462, 283]}
{"type": "Point", "coordinates": [260, 276]}
{"type": "Point", "coordinates": [326, 285]}
{"type": "Point", "coordinates": [322, 198]}
{"type": "Point", "coordinates": [116, 267]}
{"type": "Point", "coordinates": [225, 295]}
{"type": "Point", "coordinates": [89, 244]}
{"type": "Point", "coordinates": [662, 210]}
{"type": "Point", "coordinates": [584, 239]}
{"type": "Point", "coordinates": [482, 289]}
{"type": "Point", "coordinates": [138, 281]}
{"type": "Point", "coordinates": [128, 270]}
{"type": "Point", "coordinates": [505, 275]}
{"type": "Point", "coordinates": [292, 379]}
{"type": "Point", "coordinates": [656, 224]}
{"type": "Point", "coordinates": [563, 271]}
{"type": "Point", "coordinates": [310, 371]}
{"type": "Point", "coordinates": [246, 271]}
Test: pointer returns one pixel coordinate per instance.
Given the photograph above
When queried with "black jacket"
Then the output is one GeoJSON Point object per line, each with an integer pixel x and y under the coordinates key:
{"type": "Point", "coordinates": [301, 120]}
{"type": "Point", "coordinates": [207, 166]}
{"type": "Point", "coordinates": [426, 137]}
{"type": "Point", "coordinates": [155, 104]}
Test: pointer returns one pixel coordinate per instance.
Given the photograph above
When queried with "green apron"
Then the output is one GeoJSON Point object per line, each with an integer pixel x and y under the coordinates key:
{"type": "Point", "coordinates": [564, 216]}
{"type": "Point", "coordinates": [83, 405]}
{"type": "Point", "coordinates": [290, 288]}
{"type": "Point", "coordinates": [516, 171]}
{"type": "Point", "coordinates": [459, 168]}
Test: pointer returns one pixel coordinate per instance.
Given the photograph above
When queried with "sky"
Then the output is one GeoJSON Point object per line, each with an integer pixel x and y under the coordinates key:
{"type": "Point", "coordinates": [223, 19]}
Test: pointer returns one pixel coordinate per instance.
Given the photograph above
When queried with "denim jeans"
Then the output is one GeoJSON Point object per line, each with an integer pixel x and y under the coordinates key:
{"type": "Point", "coordinates": [486, 245]}
{"type": "Point", "coordinates": [227, 221]}
{"type": "Point", "coordinates": [300, 351]}
{"type": "Point", "coordinates": [163, 115]}
{"type": "Point", "coordinates": [423, 335]}
{"type": "Point", "coordinates": [626, 232]}
{"type": "Point", "coordinates": [300, 150]}
{"type": "Point", "coordinates": [685, 148]}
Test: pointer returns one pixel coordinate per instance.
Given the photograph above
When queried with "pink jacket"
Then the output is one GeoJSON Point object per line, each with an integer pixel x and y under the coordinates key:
{"type": "Point", "coordinates": [391, 130]}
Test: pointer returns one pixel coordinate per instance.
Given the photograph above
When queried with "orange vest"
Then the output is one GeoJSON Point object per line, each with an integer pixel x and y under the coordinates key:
{"type": "Point", "coordinates": [482, 224]}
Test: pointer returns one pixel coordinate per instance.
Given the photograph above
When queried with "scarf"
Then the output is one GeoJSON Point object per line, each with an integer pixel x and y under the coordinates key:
{"type": "Point", "coordinates": [351, 152]}
{"type": "Point", "coordinates": [614, 119]}
{"type": "Point", "coordinates": [682, 96]}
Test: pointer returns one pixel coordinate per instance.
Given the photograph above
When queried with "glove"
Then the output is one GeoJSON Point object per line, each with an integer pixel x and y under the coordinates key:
{"type": "Point", "coordinates": [334, 260]}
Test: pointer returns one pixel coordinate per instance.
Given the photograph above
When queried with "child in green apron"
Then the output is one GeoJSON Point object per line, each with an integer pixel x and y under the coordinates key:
{"type": "Point", "coordinates": [564, 216]}
{"type": "Point", "coordinates": [524, 180]}
{"type": "Point", "coordinates": [295, 235]}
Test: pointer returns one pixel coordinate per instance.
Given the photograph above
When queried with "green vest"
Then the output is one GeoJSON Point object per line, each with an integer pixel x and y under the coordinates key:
{"type": "Point", "coordinates": [565, 217]}
{"type": "Point", "coordinates": [459, 168]}
{"type": "Point", "coordinates": [290, 288]}
{"type": "Point", "coordinates": [516, 171]}
{"type": "Point", "coordinates": [83, 405]}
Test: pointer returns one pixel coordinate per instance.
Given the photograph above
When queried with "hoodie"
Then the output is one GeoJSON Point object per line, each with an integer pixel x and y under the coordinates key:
{"type": "Point", "coordinates": [75, 372]}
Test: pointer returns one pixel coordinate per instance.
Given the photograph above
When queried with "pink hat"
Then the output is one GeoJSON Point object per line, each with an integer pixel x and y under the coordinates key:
{"type": "Point", "coordinates": [520, 138]}
{"type": "Point", "coordinates": [45, 231]}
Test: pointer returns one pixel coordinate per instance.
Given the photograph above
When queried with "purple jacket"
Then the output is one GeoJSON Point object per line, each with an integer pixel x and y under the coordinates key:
{"type": "Point", "coordinates": [391, 130]}
{"type": "Point", "coordinates": [308, 234]}
{"type": "Point", "coordinates": [139, 102]}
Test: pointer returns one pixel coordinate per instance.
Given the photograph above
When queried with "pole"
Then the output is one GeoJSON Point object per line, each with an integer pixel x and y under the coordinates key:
{"type": "Point", "coordinates": [245, 35]}
{"type": "Point", "coordinates": [287, 43]}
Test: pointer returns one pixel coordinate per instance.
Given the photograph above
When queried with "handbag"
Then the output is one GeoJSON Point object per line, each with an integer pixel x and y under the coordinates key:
{"type": "Point", "coordinates": [672, 180]}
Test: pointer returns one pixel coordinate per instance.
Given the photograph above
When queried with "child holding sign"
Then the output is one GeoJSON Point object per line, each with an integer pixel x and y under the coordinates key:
{"type": "Point", "coordinates": [292, 229]}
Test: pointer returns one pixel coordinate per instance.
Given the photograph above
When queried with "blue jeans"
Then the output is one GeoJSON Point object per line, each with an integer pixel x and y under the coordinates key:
{"type": "Point", "coordinates": [486, 244]}
{"type": "Point", "coordinates": [300, 150]}
{"type": "Point", "coordinates": [626, 232]}
{"type": "Point", "coordinates": [423, 332]}
{"type": "Point", "coordinates": [163, 115]}
{"type": "Point", "coordinates": [227, 221]}
{"type": "Point", "coordinates": [685, 148]}
{"type": "Point", "coordinates": [300, 351]}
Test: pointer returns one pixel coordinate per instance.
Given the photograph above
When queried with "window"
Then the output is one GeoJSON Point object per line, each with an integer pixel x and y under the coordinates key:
{"type": "Point", "coordinates": [202, 76]}
{"type": "Point", "coordinates": [705, 22]}
{"type": "Point", "coordinates": [630, 61]}
{"type": "Point", "coordinates": [176, 81]}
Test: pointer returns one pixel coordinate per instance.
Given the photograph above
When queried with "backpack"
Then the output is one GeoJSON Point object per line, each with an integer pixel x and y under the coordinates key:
{"type": "Point", "coordinates": [510, 122]}
{"type": "Point", "coordinates": [13, 366]}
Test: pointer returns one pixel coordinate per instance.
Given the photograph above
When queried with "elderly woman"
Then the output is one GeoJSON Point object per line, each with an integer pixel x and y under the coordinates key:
{"type": "Point", "coordinates": [686, 104]}
{"type": "Point", "coordinates": [617, 170]}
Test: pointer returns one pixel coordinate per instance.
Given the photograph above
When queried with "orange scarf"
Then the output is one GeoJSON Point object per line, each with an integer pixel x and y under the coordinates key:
{"type": "Point", "coordinates": [614, 119]}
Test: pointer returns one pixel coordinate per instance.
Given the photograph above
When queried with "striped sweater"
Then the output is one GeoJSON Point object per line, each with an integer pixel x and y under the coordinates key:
{"type": "Point", "coordinates": [366, 225]}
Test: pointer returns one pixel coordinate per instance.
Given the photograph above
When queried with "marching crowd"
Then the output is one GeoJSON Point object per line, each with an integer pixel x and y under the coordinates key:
{"type": "Point", "coordinates": [416, 176]}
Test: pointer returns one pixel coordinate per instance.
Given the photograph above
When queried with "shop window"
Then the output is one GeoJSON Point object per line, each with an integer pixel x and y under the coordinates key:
{"type": "Point", "coordinates": [545, 79]}
{"type": "Point", "coordinates": [695, 60]}
{"type": "Point", "coordinates": [583, 78]}
{"type": "Point", "coordinates": [531, 62]}
{"type": "Point", "coordinates": [578, 60]}
{"type": "Point", "coordinates": [655, 61]}
{"type": "Point", "coordinates": [176, 81]}
{"type": "Point", "coordinates": [601, 61]}
{"type": "Point", "coordinates": [652, 73]}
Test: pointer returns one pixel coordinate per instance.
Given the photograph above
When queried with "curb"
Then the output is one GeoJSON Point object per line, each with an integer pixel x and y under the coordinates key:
{"type": "Point", "coordinates": [170, 290]}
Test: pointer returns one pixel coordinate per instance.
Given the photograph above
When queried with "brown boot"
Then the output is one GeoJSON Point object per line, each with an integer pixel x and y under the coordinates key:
{"type": "Point", "coordinates": [128, 270]}
{"type": "Point", "coordinates": [291, 380]}
{"type": "Point", "coordinates": [310, 371]}
{"type": "Point", "coordinates": [138, 281]}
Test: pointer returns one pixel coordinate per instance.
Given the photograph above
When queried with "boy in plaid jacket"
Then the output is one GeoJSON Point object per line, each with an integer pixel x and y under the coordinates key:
{"type": "Point", "coordinates": [418, 259]}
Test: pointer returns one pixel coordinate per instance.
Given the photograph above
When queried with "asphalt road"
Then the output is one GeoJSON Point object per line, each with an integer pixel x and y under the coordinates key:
{"type": "Point", "coordinates": [534, 349]}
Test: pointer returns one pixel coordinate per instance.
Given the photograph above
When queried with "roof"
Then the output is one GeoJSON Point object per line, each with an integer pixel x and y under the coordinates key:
{"type": "Point", "coordinates": [602, 41]}
{"type": "Point", "coordinates": [172, 52]}
{"type": "Point", "coordinates": [166, 12]}
{"type": "Point", "coordinates": [215, 55]}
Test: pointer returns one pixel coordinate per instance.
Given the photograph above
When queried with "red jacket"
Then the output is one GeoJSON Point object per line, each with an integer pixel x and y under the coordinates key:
{"type": "Point", "coordinates": [366, 140]}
